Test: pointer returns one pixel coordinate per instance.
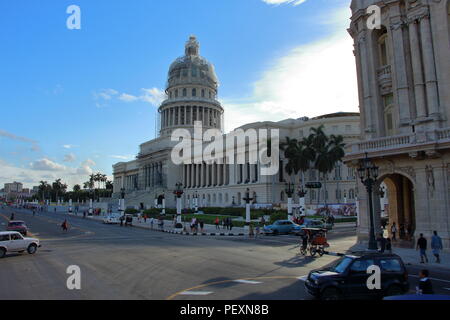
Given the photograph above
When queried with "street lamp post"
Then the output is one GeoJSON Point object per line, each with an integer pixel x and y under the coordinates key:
{"type": "Point", "coordinates": [178, 193]}
{"type": "Point", "coordinates": [290, 192]}
{"type": "Point", "coordinates": [122, 201]}
{"type": "Point", "coordinates": [91, 209]}
{"type": "Point", "coordinates": [301, 195]}
{"type": "Point", "coordinates": [196, 202]}
{"type": "Point", "coordinates": [247, 200]}
{"type": "Point", "coordinates": [163, 212]}
{"type": "Point", "coordinates": [368, 173]}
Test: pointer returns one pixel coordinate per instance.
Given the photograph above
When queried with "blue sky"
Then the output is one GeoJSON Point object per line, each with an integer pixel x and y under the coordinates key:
{"type": "Point", "coordinates": [77, 101]}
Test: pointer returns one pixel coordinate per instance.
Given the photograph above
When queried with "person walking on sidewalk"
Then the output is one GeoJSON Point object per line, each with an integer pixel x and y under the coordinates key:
{"type": "Point", "coordinates": [202, 225]}
{"type": "Point", "coordinates": [425, 285]}
{"type": "Point", "coordinates": [422, 246]}
{"type": "Point", "coordinates": [382, 241]}
{"type": "Point", "coordinates": [389, 245]}
{"type": "Point", "coordinates": [217, 222]}
{"type": "Point", "coordinates": [436, 246]}
{"type": "Point", "coordinates": [394, 231]}
{"type": "Point", "coordinates": [151, 223]}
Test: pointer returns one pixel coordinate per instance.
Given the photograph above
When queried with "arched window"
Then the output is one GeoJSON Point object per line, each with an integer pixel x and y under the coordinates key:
{"type": "Point", "coordinates": [383, 49]}
{"type": "Point", "coordinates": [184, 92]}
{"type": "Point", "coordinates": [226, 198]}
{"type": "Point", "coordinates": [194, 92]}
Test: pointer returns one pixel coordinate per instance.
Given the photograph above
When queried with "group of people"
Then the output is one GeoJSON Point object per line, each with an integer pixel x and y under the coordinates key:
{"type": "Point", "coordinates": [405, 231]}
{"type": "Point", "coordinates": [195, 224]}
{"type": "Point", "coordinates": [227, 223]}
{"type": "Point", "coordinates": [421, 245]}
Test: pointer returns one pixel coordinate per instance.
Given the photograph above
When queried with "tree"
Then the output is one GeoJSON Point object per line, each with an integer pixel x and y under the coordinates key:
{"type": "Point", "coordinates": [76, 188]}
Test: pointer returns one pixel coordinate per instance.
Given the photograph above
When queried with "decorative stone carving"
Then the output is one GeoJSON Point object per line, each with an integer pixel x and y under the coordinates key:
{"type": "Point", "coordinates": [408, 171]}
{"type": "Point", "coordinates": [430, 179]}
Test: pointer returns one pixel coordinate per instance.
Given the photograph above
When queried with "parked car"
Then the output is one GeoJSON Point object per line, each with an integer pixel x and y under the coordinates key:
{"type": "Point", "coordinates": [13, 241]}
{"type": "Point", "coordinates": [18, 226]}
{"type": "Point", "coordinates": [316, 223]}
{"type": "Point", "coordinates": [282, 227]}
{"type": "Point", "coordinates": [347, 278]}
{"type": "Point", "coordinates": [113, 218]}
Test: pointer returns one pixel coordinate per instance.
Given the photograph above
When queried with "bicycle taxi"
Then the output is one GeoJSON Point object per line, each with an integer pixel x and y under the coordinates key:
{"type": "Point", "coordinates": [314, 241]}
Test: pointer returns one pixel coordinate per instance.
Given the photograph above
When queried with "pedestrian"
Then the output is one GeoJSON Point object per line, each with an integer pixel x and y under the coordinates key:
{"type": "Point", "coordinates": [382, 241]}
{"type": "Point", "coordinates": [65, 226]}
{"type": "Point", "coordinates": [389, 245]}
{"type": "Point", "coordinates": [145, 218]}
{"type": "Point", "coordinates": [161, 223]}
{"type": "Point", "coordinates": [121, 219]}
{"type": "Point", "coordinates": [436, 246]}
{"type": "Point", "coordinates": [84, 214]}
{"type": "Point", "coordinates": [263, 221]}
{"type": "Point", "coordinates": [151, 223]}
{"type": "Point", "coordinates": [12, 217]}
{"type": "Point", "coordinates": [196, 225]}
{"type": "Point", "coordinates": [202, 224]}
{"type": "Point", "coordinates": [250, 231]}
{"type": "Point", "coordinates": [216, 222]}
{"type": "Point", "coordinates": [34, 212]}
{"type": "Point", "coordinates": [394, 231]}
{"type": "Point", "coordinates": [409, 231]}
{"type": "Point", "coordinates": [257, 231]}
{"type": "Point", "coordinates": [422, 246]}
{"type": "Point", "coordinates": [425, 285]}
{"type": "Point", "coordinates": [230, 224]}
{"type": "Point", "coordinates": [55, 210]}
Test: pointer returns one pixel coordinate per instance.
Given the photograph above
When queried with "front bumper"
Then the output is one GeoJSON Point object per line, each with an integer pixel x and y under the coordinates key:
{"type": "Point", "coordinates": [312, 288]}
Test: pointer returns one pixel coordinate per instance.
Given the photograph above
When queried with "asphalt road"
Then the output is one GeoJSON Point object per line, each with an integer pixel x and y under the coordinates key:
{"type": "Point", "coordinates": [131, 263]}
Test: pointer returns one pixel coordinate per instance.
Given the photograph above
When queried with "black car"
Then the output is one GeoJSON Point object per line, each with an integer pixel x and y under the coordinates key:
{"type": "Point", "coordinates": [347, 278]}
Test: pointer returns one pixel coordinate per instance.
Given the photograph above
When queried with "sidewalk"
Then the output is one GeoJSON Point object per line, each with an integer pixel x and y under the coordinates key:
{"type": "Point", "coordinates": [412, 257]}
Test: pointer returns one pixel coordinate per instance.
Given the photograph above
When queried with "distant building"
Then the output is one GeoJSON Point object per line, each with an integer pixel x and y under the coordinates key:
{"type": "Point", "coordinates": [13, 187]}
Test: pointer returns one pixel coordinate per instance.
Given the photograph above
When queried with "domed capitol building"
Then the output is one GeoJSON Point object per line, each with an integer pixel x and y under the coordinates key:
{"type": "Point", "coordinates": [192, 95]}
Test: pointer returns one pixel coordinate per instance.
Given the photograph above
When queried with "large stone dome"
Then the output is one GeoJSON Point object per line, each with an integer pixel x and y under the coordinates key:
{"type": "Point", "coordinates": [192, 68]}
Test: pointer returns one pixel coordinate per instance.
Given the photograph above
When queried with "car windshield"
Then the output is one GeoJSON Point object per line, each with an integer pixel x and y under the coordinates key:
{"type": "Point", "coordinates": [16, 224]}
{"type": "Point", "coordinates": [342, 265]}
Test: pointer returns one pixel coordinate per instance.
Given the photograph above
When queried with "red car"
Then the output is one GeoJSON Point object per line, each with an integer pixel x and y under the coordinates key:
{"type": "Point", "coordinates": [18, 226]}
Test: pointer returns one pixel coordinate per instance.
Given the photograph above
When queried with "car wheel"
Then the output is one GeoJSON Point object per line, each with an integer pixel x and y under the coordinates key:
{"type": "Point", "coordinates": [394, 290]}
{"type": "Point", "coordinates": [331, 294]}
{"type": "Point", "coordinates": [312, 251]}
{"type": "Point", "coordinates": [32, 248]}
{"type": "Point", "coordinates": [2, 252]}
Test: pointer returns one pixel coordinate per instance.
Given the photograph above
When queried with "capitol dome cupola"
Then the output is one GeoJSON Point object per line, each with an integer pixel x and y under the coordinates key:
{"type": "Point", "coordinates": [192, 88]}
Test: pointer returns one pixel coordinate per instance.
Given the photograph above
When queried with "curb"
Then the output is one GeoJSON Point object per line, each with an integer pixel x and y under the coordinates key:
{"type": "Point", "coordinates": [193, 233]}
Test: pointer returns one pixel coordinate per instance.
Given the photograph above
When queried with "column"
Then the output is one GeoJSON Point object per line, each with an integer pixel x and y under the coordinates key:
{"type": "Point", "coordinates": [429, 66]}
{"type": "Point", "coordinates": [367, 96]}
{"type": "Point", "coordinates": [400, 70]}
{"type": "Point", "coordinates": [419, 88]}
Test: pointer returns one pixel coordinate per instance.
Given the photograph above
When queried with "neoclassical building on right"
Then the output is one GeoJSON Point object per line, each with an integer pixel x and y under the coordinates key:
{"type": "Point", "coordinates": [403, 71]}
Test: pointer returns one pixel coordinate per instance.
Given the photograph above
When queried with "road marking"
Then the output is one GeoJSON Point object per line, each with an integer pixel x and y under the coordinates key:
{"type": "Point", "coordinates": [247, 281]}
{"type": "Point", "coordinates": [171, 297]}
{"type": "Point", "coordinates": [434, 279]}
{"type": "Point", "coordinates": [195, 293]}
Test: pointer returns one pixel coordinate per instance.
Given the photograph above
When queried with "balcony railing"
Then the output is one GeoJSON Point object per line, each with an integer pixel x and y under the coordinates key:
{"type": "Point", "coordinates": [385, 144]}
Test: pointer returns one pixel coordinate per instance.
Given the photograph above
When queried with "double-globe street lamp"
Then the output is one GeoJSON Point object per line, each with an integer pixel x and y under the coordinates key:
{"type": "Point", "coordinates": [178, 193]}
{"type": "Point", "coordinates": [368, 173]}
{"type": "Point", "coordinates": [247, 200]}
{"type": "Point", "coordinates": [301, 195]}
{"type": "Point", "coordinates": [290, 189]}
{"type": "Point", "coordinates": [196, 202]}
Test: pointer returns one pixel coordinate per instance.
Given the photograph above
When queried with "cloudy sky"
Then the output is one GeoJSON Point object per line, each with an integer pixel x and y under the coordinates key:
{"type": "Point", "coordinates": [74, 102]}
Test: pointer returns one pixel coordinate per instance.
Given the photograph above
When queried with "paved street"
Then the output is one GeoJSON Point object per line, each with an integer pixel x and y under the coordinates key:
{"type": "Point", "coordinates": [132, 263]}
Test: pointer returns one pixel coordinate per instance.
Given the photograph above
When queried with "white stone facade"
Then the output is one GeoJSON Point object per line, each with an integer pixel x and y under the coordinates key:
{"type": "Point", "coordinates": [220, 185]}
{"type": "Point", "coordinates": [403, 74]}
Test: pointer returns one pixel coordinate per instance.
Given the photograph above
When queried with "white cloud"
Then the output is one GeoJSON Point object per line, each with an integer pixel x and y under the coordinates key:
{"type": "Point", "coordinates": [127, 97]}
{"type": "Point", "coordinates": [46, 165]}
{"type": "Point", "coordinates": [129, 157]}
{"type": "Point", "coordinates": [86, 167]}
{"type": "Point", "coordinates": [277, 2]}
{"type": "Point", "coordinates": [12, 136]}
{"type": "Point", "coordinates": [310, 80]}
{"type": "Point", "coordinates": [153, 96]}
{"type": "Point", "coordinates": [69, 157]}
{"type": "Point", "coordinates": [69, 146]}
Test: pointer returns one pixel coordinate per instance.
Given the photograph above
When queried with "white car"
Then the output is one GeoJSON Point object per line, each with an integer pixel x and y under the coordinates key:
{"type": "Point", "coordinates": [112, 219]}
{"type": "Point", "coordinates": [12, 241]}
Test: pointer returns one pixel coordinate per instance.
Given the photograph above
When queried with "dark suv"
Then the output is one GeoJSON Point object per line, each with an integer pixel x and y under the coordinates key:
{"type": "Point", "coordinates": [347, 278]}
